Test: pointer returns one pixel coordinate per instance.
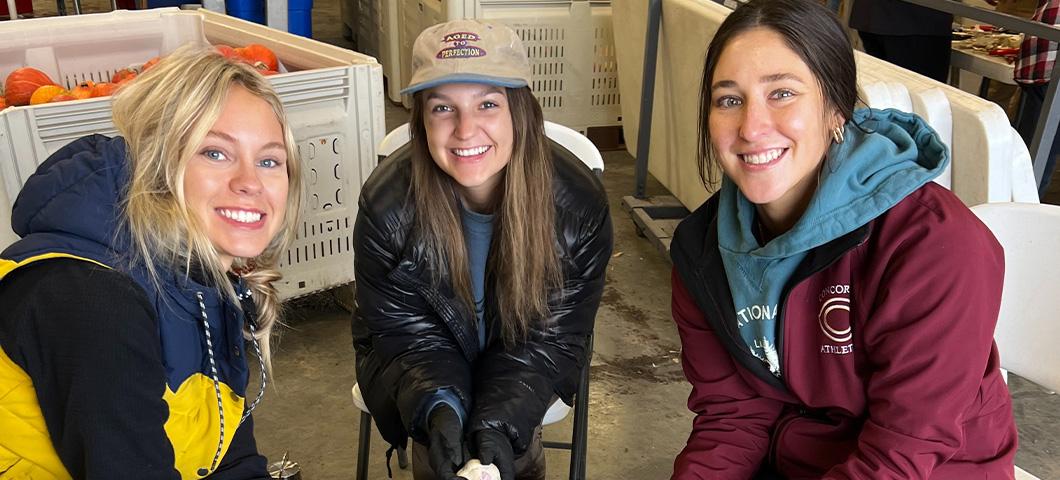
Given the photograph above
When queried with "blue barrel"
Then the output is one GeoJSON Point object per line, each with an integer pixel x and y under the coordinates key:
{"type": "Point", "coordinates": [250, 10]}
{"type": "Point", "coordinates": [300, 17]}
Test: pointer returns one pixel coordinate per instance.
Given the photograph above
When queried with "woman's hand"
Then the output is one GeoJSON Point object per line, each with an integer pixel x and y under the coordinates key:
{"type": "Point", "coordinates": [494, 448]}
{"type": "Point", "coordinates": [446, 450]}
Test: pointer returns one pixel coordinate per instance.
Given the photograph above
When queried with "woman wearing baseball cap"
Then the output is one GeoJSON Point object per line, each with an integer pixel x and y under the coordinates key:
{"type": "Point", "coordinates": [480, 254]}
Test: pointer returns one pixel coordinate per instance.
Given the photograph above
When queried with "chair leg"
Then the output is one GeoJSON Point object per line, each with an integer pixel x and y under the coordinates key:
{"type": "Point", "coordinates": [579, 438]}
{"type": "Point", "coordinates": [403, 458]}
{"type": "Point", "coordinates": [364, 446]}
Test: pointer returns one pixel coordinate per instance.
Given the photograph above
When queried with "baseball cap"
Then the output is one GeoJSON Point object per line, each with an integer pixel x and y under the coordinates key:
{"type": "Point", "coordinates": [468, 51]}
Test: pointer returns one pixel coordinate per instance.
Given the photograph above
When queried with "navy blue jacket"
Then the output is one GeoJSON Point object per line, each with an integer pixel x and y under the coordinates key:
{"type": "Point", "coordinates": [118, 365]}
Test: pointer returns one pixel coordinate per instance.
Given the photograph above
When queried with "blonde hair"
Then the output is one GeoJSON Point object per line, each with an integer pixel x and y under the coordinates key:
{"type": "Point", "coordinates": [164, 115]}
{"type": "Point", "coordinates": [523, 261]}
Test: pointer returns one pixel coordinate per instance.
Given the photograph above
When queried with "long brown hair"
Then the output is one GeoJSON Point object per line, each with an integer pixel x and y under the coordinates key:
{"type": "Point", "coordinates": [523, 263]}
{"type": "Point", "coordinates": [164, 115]}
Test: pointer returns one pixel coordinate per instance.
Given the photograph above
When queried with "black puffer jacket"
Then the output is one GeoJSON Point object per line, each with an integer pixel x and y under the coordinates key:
{"type": "Point", "coordinates": [413, 339]}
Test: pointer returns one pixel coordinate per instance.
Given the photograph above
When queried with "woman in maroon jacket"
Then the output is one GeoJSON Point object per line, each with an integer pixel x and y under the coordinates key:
{"type": "Point", "coordinates": [836, 307]}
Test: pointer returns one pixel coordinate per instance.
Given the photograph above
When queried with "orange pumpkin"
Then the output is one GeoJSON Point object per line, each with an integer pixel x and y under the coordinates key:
{"type": "Point", "coordinates": [122, 74]}
{"type": "Point", "coordinates": [62, 97]}
{"type": "Point", "coordinates": [227, 51]}
{"type": "Point", "coordinates": [21, 84]}
{"type": "Point", "coordinates": [150, 63]}
{"type": "Point", "coordinates": [45, 93]}
{"type": "Point", "coordinates": [103, 89]}
{"type": "Point", "coordinates": [259, 56]}
{"type": "Point", "coordinates": [83, 91]}
{"type": "Point", "coordinates": [3, 103]}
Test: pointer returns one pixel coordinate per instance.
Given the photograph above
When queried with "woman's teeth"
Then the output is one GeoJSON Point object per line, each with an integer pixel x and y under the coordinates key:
{"type": "Point", "coordinates": [763, 157]}
{"type": "Point", "coordinates": [470, 152]}
{"type": "Point", "coordinates": [241, 216]}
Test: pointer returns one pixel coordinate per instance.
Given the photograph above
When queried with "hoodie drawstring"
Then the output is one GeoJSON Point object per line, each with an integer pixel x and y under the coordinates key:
{"type": "Point", "coordinates": [217, 382]}
{"type": "Point", "coordinates": [261, 363]}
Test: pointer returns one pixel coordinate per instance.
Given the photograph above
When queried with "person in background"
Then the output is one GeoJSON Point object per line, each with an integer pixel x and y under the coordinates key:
{"type": "Point", "coordinates": [145, 265]}
{"type": "Point", "coordinates": [831, 323]}
{"type": "Point", "coordinates": [1033, 69]}
{"type": "Point", "coordinates": [910, 36]}
{"type": "Point", "coordinates": [480, 250]}
{"type": "Point", "coordinates": [1007, 95]}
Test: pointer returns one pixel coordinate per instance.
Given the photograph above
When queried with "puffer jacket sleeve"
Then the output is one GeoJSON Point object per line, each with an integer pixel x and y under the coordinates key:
{"type": "Point", "coordinates": [513, 388]}
{"type": "Point", "coordinates": [406, 354]}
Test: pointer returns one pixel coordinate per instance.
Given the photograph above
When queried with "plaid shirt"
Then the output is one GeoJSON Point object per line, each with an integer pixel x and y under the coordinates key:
{"type": "Point", "coordinates": [1037, 55]}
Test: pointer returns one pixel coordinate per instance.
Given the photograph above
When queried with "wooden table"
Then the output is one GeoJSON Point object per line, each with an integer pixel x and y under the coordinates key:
{"type": "Point", "coordinates": [982, 64]}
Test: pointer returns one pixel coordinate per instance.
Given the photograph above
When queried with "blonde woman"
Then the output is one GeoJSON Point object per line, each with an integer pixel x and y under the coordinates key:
{"type": "Point", "coordinates": [145, 267]}
{"type": "Point", "coordinates": [480, 252]}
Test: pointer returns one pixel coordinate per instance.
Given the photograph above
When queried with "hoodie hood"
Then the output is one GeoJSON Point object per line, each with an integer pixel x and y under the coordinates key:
{"type": "Point", "coordinates": [886, 155]}
{"type": "Point", "coordinates": [70, 204]}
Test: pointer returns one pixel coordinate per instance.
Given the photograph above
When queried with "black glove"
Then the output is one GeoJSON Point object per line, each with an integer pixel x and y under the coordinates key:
{"type": "Point", "coordinates": [446, 450]}
{"type": "Point", "coordinates": [494, 448]}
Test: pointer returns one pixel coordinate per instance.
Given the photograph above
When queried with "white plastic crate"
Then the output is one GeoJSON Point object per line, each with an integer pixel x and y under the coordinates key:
{"type": "Point", "coordinates": [333, 99]}
{"type": "Point", "coordinates": [570, 44]}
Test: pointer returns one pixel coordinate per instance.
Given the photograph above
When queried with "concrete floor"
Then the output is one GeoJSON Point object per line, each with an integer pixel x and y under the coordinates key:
{"type": "Point", "coordinates": [638, 418]}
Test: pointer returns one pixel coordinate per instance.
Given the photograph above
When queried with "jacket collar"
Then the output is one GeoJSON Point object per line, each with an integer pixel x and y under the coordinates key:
{"type": "Point", "coordinates": [697, 259]}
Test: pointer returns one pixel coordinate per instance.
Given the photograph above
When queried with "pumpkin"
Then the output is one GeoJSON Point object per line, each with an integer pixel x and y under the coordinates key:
{"type": "Point", "coordinates": [259, 56]}
{"type": "Point", "coordinates": [227, 52]}
{"type": "Point", "coordinates": [83, 91]}
{"type": "Point", "coordinates": [122, 74]}
{"type": "Point", "coordinates": [62, 97]}
{"type": "Point", "coordinates": [3, 103]}
{"type": "Point", "coordinates": [21, 84]}
{"type": "Point", "coordinates": [103, 89]}
{"type": "Point", "coordinates": [45, 93]}
{"type": "Point", "coordinates": [150, 63]}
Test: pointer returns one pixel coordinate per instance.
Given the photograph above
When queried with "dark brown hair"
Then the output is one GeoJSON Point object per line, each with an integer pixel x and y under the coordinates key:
{"type": "Point", "coordinates": [812, 31]}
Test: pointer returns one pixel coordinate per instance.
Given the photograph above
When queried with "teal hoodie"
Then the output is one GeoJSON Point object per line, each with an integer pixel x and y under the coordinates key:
{"type": "Point", "coordinates": [892, 154]}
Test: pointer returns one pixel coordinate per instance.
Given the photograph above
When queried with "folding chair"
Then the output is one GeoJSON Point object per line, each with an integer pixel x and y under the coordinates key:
{"type": "Point", "coordinates": [1027, 331]}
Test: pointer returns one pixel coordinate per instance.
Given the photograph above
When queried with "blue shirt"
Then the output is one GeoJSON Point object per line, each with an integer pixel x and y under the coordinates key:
{"type": "Point", "coordinates": [478, 232]}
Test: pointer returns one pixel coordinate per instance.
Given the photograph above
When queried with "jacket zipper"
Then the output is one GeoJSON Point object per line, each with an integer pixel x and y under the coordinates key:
{"type": "Point", "coordinates": [845, 248]}
{"type": "Point", "coordinates": [800, 411]}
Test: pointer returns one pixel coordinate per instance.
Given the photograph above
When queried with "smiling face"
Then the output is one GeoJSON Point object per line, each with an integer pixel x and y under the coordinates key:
{"type": "Point", "coordinates": [236, 181]}
{"type": "Point", "coordinates": [470, 137]}
{"type": "Point", "coordinates": [769, 123]}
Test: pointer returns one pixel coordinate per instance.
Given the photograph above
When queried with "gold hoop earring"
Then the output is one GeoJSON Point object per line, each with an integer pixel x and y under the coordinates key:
{"type": "Point", "coordinates": [837, 134]}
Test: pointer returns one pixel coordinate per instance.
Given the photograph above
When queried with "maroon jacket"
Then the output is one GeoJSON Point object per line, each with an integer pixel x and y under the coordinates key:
{"type": "Point", "coordinates": [886, 341]}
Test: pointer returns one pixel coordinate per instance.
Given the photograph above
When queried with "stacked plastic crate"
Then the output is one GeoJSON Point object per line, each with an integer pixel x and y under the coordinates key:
{"type": "Point", "coordinates": [570, 44]}
{"type": "Point", "coordinates": [333, 100]}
